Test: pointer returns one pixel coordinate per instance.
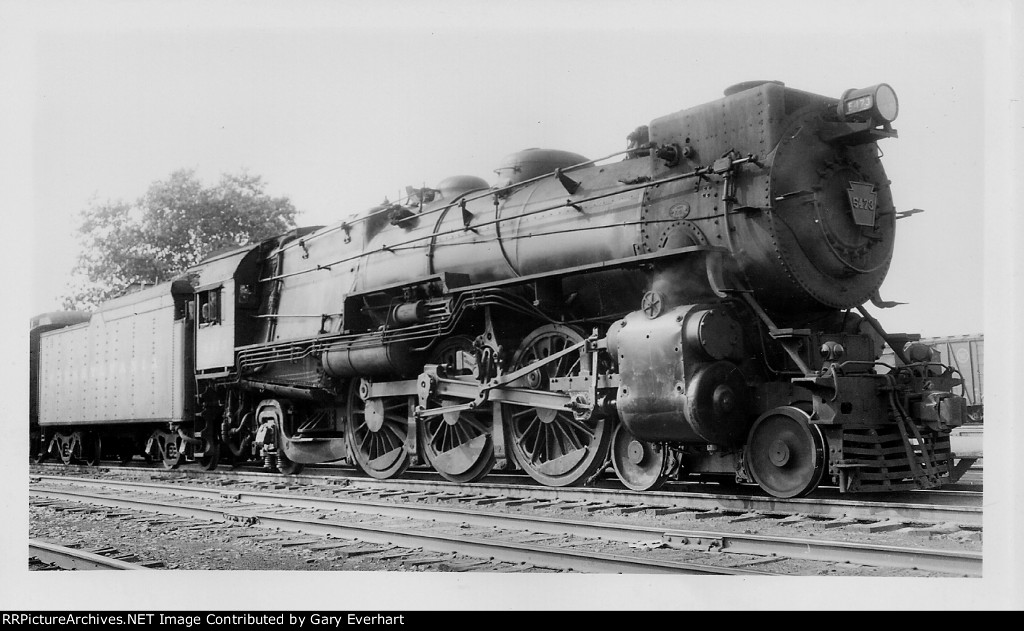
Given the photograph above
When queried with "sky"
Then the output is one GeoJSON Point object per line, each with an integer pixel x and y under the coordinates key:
{"type": "Point", "coordinates": [338, 105]}
{"type": "Point", "coordinates": [336, 117]}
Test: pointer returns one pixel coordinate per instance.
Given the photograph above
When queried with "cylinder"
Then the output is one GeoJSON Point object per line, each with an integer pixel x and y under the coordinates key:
{"type": "Point", "coordinates": [668, 389]}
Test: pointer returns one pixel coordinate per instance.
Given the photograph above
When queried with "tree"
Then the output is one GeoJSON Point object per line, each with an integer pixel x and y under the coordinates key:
{"type": "Point", "coordinates": [176, 224]}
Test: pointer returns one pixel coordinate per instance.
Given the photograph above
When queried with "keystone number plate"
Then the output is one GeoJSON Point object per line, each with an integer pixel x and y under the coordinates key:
{"type": "Point", "coordinates": [863, 202]}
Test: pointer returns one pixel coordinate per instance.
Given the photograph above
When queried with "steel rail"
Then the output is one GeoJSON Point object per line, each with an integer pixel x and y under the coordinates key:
{"type": "Point", "coordinates": [966, 563]}
{"type": "Point", "coordinates": [968, 516]}
{"type": "Point", "coordinates": [963, 498]}
{"type": "Point", "coordinates": [72, 559]}
{"type": "Point", "coordinates": [816, 507]}
{"type": "Point", "coordinates": [510, 552]}
{"type": "Point", "coordinates": [961, 494]}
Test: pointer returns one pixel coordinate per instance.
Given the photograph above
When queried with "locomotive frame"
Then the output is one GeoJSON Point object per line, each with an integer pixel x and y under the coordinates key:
{"type": "Point", "coordinates": [687, 309]}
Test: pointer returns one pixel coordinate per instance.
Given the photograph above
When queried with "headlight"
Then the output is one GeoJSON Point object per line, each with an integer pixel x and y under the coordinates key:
{"type": "Point", "coordinates": [918, 352]}
{"type": "Point", "coordinates": [878, 103]}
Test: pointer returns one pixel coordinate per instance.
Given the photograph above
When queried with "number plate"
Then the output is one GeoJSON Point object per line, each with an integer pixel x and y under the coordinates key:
{"type": "Point", "coordinates": [863, 203]}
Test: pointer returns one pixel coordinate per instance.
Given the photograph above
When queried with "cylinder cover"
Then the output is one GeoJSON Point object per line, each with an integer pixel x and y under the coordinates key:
{"type": "Point", "coordinates": [668, 390]}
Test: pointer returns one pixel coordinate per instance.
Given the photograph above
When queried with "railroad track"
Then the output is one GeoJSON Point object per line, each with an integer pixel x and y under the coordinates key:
{"type": "Point", "coordinates": [45, 555]}
{"type": "Point", "coordinates": [959, 507]}
{"type": "Point", "coordinates": [971, 480]}
{"type": "Point", "coordinates": [579, 545]}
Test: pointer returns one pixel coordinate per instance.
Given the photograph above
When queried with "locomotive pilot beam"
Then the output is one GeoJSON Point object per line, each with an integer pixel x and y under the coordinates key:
{"type": "Point", "coordinates": [693, 305]}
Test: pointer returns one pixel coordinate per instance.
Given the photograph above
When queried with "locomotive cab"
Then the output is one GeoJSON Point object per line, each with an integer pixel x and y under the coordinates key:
{"type": "Point", "coordinates": [225, 308]}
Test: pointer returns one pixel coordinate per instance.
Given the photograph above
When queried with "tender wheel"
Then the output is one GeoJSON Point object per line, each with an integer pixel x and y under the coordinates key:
{"type": "Point", "coordinates": [640, 465]}
{"type": "Point", "coordinates": [167, 448]}
{"type": "Point", "coordinates": [551, 445]}
{"type": "Point", "coordinates": [376, 432]}
{"type": "Point", "coordinates": [35, 453]}
{"type": "Point", "coordinates": [785, 454]}
{"type": "Point", "coordinates": [42, 446]}
{"type": "Point", "coordinates": [42, 455]}
{"type": "Point", "coordinates": [67, 447]}
{"type": "Point", "coordinates": [92, 449]}
{"type": "Point", "coordinates": [125, 450]}
{"type": "Point", "coordinates": [286, 465]}
{"type": "Point", "coordinates": [457, 444]}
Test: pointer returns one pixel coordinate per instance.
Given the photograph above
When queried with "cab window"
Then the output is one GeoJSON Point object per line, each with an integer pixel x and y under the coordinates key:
{"type": "Point", "coordinates": [209, 307]}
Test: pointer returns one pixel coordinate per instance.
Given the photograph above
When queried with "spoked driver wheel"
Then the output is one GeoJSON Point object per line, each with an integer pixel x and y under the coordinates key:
{"type": "Point", "coordinates": [376, 431]}
{"type": "Point", "coordinates": [552, 446]}
{"type": "Point", "coordinates": [785, 454]}
{"type": "Point", "coordinates": [640, 465]}
{"type": "Point", "coordinates": [457, 444]}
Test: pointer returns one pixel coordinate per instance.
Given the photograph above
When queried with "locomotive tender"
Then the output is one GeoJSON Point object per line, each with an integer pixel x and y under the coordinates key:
{"type": "Point", "coordinates": [692, 305]}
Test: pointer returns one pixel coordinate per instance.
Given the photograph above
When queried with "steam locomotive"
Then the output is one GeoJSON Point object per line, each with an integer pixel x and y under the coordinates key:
{"type": "Point", "coordinates": [693, 305]}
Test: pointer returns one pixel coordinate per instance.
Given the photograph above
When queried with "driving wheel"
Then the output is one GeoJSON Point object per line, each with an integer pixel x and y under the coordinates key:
{"type": "Point", "coordinates": [552, 446]}
{"type": "Point", "coordinates": [375, 430]}
{"type": "Point", "coordinates": [457, 444]}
